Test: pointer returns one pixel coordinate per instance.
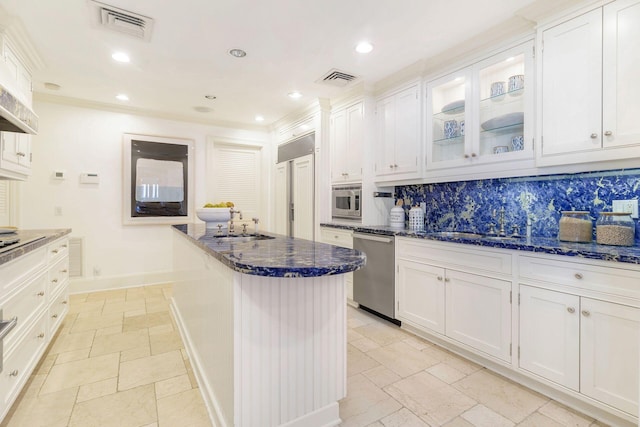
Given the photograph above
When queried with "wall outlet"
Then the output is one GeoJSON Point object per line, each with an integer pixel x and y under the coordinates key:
{"type": "Point", "coordinates": [626, 206]}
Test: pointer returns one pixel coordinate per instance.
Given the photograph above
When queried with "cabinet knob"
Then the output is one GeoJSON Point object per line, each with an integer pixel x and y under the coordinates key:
{"type": "Point", "coordinates": [54, 281]}
{"type": "Point", "coordinates": [466, 156]}
{"type": "Point", "coordinates": [594, 135]}
{"type": "Point", "coordinates": [439, 278]}
{"type": "Point", "coordinates": [586, 313]}
{"type": "Point", "coordinates": [55, 316]}
{"type": "Point", "coordinates": [390, 166]}
{"type": "Point", "coordinates": [40, 294]}
{"type": "Point", "coordinates": [608, 133]}
{"type": "Point", "coordinates": [446, 279]}
{"type": "Point", "coordinates": [578, 276]}
{"type": "Point", "coordinates": [571, 310]}
{"type": "Point", "coordinates": [13, 373]}
{"type": "Point", "coordinates": [20, 154]}
{"type": "Point", "coordinates": [395, 166]}
{"type": "Point", "coordinates": [41, 335]}
{"type": "Point", "coordinates": [64, 302]}
{"type": "Point", "coordinates": [63, 271]}
{"type": "Point", "coordinates": [55, 251]}
{"type": "Point", "coordinates": [474, 155]}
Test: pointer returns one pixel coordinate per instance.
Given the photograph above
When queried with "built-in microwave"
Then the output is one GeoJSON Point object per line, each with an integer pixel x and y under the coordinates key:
{"type": "Point", "coordinates": [346, 202]}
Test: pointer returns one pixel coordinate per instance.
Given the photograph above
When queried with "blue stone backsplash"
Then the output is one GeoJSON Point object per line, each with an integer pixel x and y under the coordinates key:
{"type": "Point", "coordinates": [470, 205]}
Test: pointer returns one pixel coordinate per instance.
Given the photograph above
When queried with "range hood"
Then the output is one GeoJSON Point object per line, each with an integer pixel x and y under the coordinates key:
{"type": "Point", "coordinates": [15, 116]}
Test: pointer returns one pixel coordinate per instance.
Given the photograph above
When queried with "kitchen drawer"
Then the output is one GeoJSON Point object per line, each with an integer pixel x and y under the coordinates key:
{"type": "Point", "coordinates": [25, 304]}
{"type": "Point", "coordinates": [337, 237]}
{"type": "Point", "coordinates": [58, 275]}
{"type": "Point", "coordinates": [58, 250]}
{"type": "Point", "coordinates": [15, 272]}
{"type": "Point", "coordinates": [19, 363]}
{"type": "Point", "coordinates": [609, 280]}
{"type": "Point", "coordinates": [58, 309]}
{"type": "Point", "coordinates": [454, 255]}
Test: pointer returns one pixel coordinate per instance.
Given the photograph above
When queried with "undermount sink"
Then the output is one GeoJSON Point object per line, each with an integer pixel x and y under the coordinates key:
{"type": "Point", "coordinates": [225, 238]}
{"type": "Point", "coordinates": [457, 234]}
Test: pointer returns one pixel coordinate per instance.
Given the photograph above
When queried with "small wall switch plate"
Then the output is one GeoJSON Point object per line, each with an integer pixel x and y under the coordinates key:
{"type": "Point", "coordinates": [89, 178]}
{"type": "Point", "coordinates": [59, 175]}
{"type": "Point", "coordinates": [626, 206]}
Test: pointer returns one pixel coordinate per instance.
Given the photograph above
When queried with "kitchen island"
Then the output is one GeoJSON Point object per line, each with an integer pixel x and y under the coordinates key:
{"type": "Point", "coordinates": [264, 322]}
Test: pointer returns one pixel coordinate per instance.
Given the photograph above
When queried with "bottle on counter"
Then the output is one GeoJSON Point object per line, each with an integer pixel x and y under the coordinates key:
{"type": "Point", "coordinates": [615, 228]}
{"type": "Point", "coordinates": [575, 226]}
{"type": "Point", "coordinates": [396, 216]}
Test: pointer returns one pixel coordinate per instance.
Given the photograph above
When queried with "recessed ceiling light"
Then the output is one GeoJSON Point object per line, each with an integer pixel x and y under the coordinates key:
{"type": "Point", "coordinates": [203, 109]}
{"type": "Point", "coordinates": [295, 95]}
{"type": "Point", "coordinates": [120, 57]}
{"type": "Point", "coordinates": [238, 53]}
{"type": "Point", "coordinates": [364, 47]}
{"type": "Point", "coordinates": [122, 97]}
{"type": "Point", "coordinates": [259, 118]}
{"type": "Point", "coordinates": [210, 96]}
{"type": "Point", "coordinates": [51, 86]}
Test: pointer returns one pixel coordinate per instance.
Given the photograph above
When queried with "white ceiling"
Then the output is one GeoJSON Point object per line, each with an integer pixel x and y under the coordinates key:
{"type": "Point", "coordinates": [289, 43]}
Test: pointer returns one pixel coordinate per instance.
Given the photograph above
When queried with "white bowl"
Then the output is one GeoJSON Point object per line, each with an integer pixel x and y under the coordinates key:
{"type": "Point", "coordinates": [214, 216]}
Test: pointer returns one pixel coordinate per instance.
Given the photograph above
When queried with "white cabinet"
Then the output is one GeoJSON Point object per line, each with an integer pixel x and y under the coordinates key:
{"type": "Point", "coordinates": [421, 291]}
{"type": "Point", "coordinates": [398, 145]}
{"type": "Point", "coordinates": [568, 336]}
{"type": "Point", "coordinates": [347, 140]}
{"type": "Point", "coordinates": [15, 155]}
{"type": "Point", "coordinates": [343, 238]}
{"type": "Point", "coordinates": [478, 312]}
{"type": "Point", "coordinates": [482, 113]}
{"type": "Point", "coordinates": [439, 289]}
{"type": "Point", "coordinates": [35, 290]}
{"type": "Point", "coordinates": [550, 335]}
{"type": "Point", "coordinates": [590, 97]}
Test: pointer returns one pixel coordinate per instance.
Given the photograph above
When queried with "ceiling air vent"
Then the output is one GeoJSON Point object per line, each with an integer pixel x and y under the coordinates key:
{"type": "Point", "coordinates": [121, 21]}
{"type": "Point", "coordinates": [337, 78]}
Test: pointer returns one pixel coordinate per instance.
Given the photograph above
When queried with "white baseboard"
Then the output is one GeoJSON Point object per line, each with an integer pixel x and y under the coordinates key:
{"type": "Point", "coordinates": [328, 416]}
{"type": "Point", "coordinates": [105, 283]}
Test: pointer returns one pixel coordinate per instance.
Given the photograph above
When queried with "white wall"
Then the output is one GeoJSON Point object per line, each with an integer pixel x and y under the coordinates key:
{"type": "Point", "coordinates": [77, 139]}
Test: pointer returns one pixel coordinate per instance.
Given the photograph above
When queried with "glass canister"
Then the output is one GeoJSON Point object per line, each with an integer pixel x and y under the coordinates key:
{"type": "Point", "coordinates": [575, 226]}
{"type": "Point", "coordinates": [615, 228]}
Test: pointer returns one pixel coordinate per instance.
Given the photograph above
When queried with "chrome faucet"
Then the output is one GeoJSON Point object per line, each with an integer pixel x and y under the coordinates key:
{"type": "Point", "coordinates": [501, 221]}
{"type": "Point", "coordinates": [233, 212]}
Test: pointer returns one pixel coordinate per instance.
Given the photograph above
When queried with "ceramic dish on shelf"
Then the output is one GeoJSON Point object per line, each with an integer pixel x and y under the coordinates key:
{"type": "Point", "coordinates": [454, 107]}
{"type": "Point", "coordinates": [503, 121]}
{"type": "Point", "coordinates": [7, 229]}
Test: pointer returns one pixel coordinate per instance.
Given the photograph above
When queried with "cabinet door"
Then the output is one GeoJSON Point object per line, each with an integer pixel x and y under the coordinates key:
{"type": "Point", "coordinates": [281, 207]}
{"type": "Point", "coordinates": [339, 146]}
{"type": "Point", "coordinates": [448, 121]}
{"type": "Point", "coordinates": [354, 142]}
{"type": "Point", "coordinates": [407, 131]}
{"type": "Point", "coordinates": [478, 312]}
{"type": "Point", "coordinates": [15, 152]}
{"type": "Point", "coordinates": [550, 335]}
{"type": "Point", "coordinates": [421, 294]}
{"type": "Point", "coordinates": [385, 136]}
{"type": "Point", "coordinates": [302, 197]}
{"type": "Point", "coordinates": [621, 62]}
{"type": "Point", "coordinates": [609, 353]}
{"type": "Point", "coordinates": [572, 85]}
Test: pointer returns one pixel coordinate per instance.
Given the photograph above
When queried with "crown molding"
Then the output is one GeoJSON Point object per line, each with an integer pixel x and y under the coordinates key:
{"type": "Point", "coordinates": [12, 27]}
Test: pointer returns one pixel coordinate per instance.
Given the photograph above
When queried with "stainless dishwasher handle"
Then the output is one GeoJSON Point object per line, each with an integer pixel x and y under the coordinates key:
{"type": "Point", "coordinates": [7, 326]}
{"type": "Point", "coordinates": [374, 238]}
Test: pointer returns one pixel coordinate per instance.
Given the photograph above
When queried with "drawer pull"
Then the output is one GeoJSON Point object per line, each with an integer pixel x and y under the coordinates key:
{"type": "Point", "coordinates": [571, 310]}
{"type": "Point", "coordinates": [63, 246]}
{"type": "Point", "coordinates": [586, 313]}
{"type": "Point", "coordinates": [13, 373]}
{"type": "Point", "coordinates": [55, 251]}
{"type": "Point", "coordinates": [40, 294]}
{"type": "Point", "coordinates": [41, 335]}
{"type": "Point", "coordinates": [55, 316]}
{"type": "Point", "coordinates": [54, 281]}
{"type": "Point", "coordinates": [63, 271]}
{"type": "Point", "coordinates": [64, 302]}
{"type": "Point", "coordinates": [578, 276]}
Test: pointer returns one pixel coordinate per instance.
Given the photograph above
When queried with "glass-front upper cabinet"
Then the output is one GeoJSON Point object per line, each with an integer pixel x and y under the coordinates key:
{"type": "Point", "coordinates": [482, 114]}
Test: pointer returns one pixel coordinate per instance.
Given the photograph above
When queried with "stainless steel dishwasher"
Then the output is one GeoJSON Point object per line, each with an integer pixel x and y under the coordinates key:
{"type": "Point", "coordinates": [374, 284]}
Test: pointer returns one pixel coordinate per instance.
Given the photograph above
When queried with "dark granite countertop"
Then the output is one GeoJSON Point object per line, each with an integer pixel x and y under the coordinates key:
{"type": "Point", "coordinates": [44, 237]}
{"type": "Point", "coordinates": [280, 256]}
{"type": "Point", "coordinates": [547, 245]}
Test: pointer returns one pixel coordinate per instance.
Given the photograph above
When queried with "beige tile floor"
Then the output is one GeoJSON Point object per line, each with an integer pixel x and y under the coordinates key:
{"type": "Point", "coordinates": [118, 360]}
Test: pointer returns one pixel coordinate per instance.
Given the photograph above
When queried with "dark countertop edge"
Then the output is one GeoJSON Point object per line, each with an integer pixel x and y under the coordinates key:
{"type": "Point", "coordinates": [546, 245]}
{"type": "Point", "coordinates": [18, 251]}
{"type": "Point", "coordinates": [265, 271]}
